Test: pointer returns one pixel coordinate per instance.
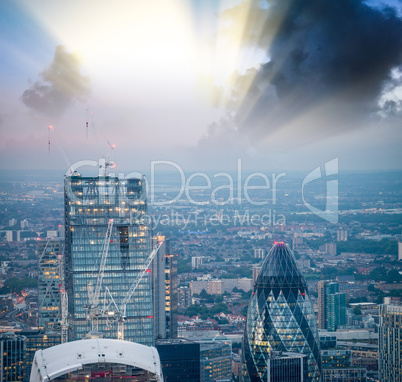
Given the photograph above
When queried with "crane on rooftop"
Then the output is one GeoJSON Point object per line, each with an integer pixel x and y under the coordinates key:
{"type": "Point", "coordinates": [119, 313]}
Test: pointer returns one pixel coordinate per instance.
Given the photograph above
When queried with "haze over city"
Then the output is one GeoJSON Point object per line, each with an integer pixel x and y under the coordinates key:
{"type": "Point", "coordinates": [283, 85]}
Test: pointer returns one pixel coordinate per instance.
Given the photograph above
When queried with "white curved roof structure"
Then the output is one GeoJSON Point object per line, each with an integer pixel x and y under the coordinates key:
{"type": "Point", "coordinates": [53, 362]}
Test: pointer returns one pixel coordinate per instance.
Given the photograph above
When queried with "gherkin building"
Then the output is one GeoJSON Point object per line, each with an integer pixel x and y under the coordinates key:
{"type": "Point", "coordinates": [280, 318]}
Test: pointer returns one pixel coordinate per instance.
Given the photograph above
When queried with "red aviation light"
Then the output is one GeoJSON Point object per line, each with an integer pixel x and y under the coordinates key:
{"type": "Point", "coordinates": [150, 317]}
{"type": "Point", "coordinates": [275, 242]}
{"type": "Point", "coordinates": [111, 241]}
{"type": "Point", "coordinates": [148, 271]}
{"type": "Point", "coordinates": [281, 243]}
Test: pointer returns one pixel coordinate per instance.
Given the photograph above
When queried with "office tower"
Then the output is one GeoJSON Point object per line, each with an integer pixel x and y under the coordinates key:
{"type": "Point", "coordinates": [36, 340]}
{"type": "Point", "coordinates": [331, 306]}
{"type": "Point", "coordinates": [286, 367]}
{"type": "Point", "coordinates": [12, 357]}
{"type": "Point", "coordinates": [390, 343]}
{"type": "Point", "coordinates": [101, 359]}
{"type": "Point", "coordinates": [164, 277]}
{"type": "Point", "coordinates": [280, 317]}
{"type": "Point", "coordinates": [259, 253]}
{"type": "Point", "coordinates": [399, 250]}
{"type": "Point", "coordinates": [180, 360]}
{"type": "Point", "coordinates": [91, 203]}
{"type": "Point", "coordinates": [336, 311]}
{"type": "Point", "coordinates": [321, 318]}
{"type": "Point", "coordinates": [216, 361]}
{"type": "Point", "coordinates": [48, 284]}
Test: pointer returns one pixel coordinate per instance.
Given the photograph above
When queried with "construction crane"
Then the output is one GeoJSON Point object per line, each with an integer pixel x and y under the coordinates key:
{"type": "Point", "coordinates": [63, 301]}
{"type": "Point", "coordinates": [106, 162]}
{"type": "Point", "coordinates": [93, 295]}
{"type": "Point", "coordinates": [53, 133]}
{"type": "Point", "coordinates": [120, 313]}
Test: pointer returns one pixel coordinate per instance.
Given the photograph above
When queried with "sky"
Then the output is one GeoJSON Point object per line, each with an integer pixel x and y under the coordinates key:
{"type": "Point", "coordinates": [282, 85]}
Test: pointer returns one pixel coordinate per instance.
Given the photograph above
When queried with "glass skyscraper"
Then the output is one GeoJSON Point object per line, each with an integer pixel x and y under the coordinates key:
{"type": "Point", "coordinates": [90, 202]}
{"type": "Point", "coordinates": [280, 318]}
{"type": "Point", "coordinates": [48, 284]}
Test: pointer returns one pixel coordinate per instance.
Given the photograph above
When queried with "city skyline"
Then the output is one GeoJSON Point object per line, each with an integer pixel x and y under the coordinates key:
{"type": "Point", "coordinates": [216, 181]}
{"type": "Point", "coordinates": [193, 83]}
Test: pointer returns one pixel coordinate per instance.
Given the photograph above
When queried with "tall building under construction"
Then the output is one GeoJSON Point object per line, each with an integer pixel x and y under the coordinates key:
{"type": "Point", "coordinates": [91, 203]}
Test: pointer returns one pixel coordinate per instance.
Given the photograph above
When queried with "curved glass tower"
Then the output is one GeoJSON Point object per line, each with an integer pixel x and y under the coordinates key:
{"type": "Point", "coordinates": [280, 318]}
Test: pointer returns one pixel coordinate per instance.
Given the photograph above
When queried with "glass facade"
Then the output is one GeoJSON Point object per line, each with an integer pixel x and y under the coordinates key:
{"type": "Point", "coordinates": [12, 357]}
{"type": "Point", "coordinates": [35, 340]}
{"type": "Point", "coordinates": [180, 360]}
{"type": "Point", "coordinates": [335, 307]}
{"type": "Point", "coordinates": [280, 318]}
{"type": "Point", "coordinates": [286, 367]}
{"type": "Point", "coordinates": [164, 274]}
{"type": "Point", "coordinates": [48, 284]}
{"type": "Point", "coordinates": [216, 361]}
{"type": "Point", "coordinates": [90, 202]}
{"type": "Point", "coordinates": [336, 358]}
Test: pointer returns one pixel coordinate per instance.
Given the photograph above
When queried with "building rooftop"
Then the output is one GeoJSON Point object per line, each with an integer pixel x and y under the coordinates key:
{"type": "Point", "coordinates": [59, 360]}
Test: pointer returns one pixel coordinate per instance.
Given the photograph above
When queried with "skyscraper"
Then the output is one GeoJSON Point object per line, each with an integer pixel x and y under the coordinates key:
{"type": "Point", "coordinates": [164, 274]}
{"type": "Point", "coordinates": [331, 306]}
{"type": "Point", "coordinates": [336, 310]}
{"type": "Point", "coordinates": [90, 203]}
{"type": "Point", "coordinates": [322, 313]}
{"type": "Point", "coordinates": [48, 284]}
{"type": "Point", "coordinates": [390, 343]}
{"type": "Point", "coordinates": [280, 318]}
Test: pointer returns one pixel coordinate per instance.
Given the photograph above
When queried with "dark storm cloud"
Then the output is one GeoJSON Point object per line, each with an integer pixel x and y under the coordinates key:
{"type": "Point", "coordinates": [334, 56]}
{"type": "Point", "coordinates": [60, 85]}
